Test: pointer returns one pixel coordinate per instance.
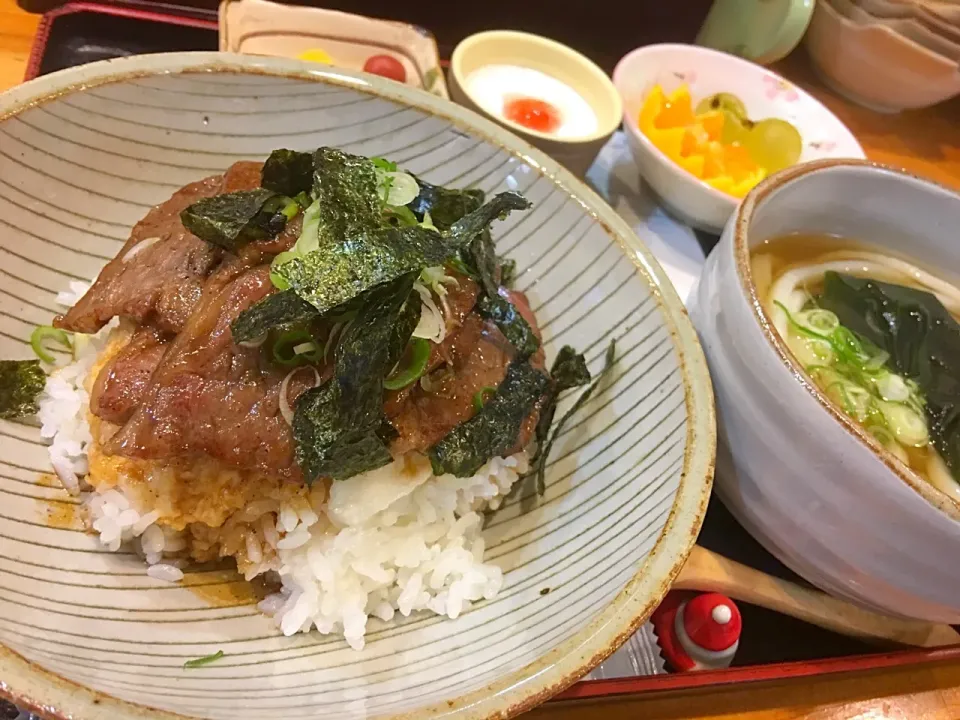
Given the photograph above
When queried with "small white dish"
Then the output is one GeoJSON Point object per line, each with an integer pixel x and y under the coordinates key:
{"type": "Point", "coordinates": [707, 72]}
{"type": "Point", "coordinates": [576, 71]}
{"type": "Point", "coordinates": [810, 484]}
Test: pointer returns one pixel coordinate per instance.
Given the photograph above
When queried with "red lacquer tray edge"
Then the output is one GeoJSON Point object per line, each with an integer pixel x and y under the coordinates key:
{"type": "Point", "coordinates": [587, 689]}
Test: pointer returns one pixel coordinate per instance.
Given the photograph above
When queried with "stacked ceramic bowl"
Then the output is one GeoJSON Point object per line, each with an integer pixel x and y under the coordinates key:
{"type": "Point", "coordinates": [889, 55]}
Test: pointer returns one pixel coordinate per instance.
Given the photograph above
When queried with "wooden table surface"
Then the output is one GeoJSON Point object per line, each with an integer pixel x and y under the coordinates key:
{"type": "Point", "coordinates": [926, 142]}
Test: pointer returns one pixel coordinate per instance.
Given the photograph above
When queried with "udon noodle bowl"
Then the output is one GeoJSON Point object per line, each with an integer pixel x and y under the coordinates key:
{"type": "Point", "coordinates": [879, 336]}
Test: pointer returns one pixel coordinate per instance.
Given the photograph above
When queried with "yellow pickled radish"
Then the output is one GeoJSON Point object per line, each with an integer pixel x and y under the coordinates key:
{"type": "Point", "coordinates": [316, 55]}
{"type": "Point", "coordinates": [717, 143]}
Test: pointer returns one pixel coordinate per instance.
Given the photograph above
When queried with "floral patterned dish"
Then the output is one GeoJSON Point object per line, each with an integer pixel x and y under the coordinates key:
{"type": "Point", "coordinates": [707, 72]}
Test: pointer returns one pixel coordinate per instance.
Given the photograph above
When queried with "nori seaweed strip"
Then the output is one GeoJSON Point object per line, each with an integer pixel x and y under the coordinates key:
{"type": "Point", "coordinates": [342, 269]}
{"type": "Point", "coordinates": [445, 205]}
{"type": "Point", "coordinates": [482, 258]}
{"type": "Point", "coordinates": [280, 308]}
{"type": "Point", "coordinates": [339, 426]}
{"type": "Point", "coordinates": [508, 271]}
{"type": "Point", "coordinates": [511, 323]}
{"type": "Point", "coordinates": [21, 382]}
{"type": "Point", "coordinates": [345, 187]}
{"type": "Point", "coordinates": [473, 223]}
{"type": "Point", "coordinates": [543, 452]}
{"type": "Point", "coordinates": [493, 431]}
{"type": "Point", "coordinates": [569, 371]}
{"type": "Point", "coordinates": [288, 172]}
{"type": "Point", "coordinates": [234, 219]}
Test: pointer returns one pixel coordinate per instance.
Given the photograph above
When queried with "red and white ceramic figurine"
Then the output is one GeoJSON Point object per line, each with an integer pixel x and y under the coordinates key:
{"type": "Point", "coordinates": [697, 632]}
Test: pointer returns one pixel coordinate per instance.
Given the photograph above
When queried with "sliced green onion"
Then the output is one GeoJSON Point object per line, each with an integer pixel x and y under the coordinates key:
{"type": "Point", "coordinates": [279, 282]}
{"type": "Point", "coordinates": [399, 188]}
{"type": "Point", "coordinates": [481, 396]}
{"type": "Point", "coordinates": [909, 427]}
{"type": "Point", "coordinates": [286, 206]}
{"type": "Point", "coordinates": [403, 376]}
{"type": "Point", "coordinates": [206, 660]}
{"type": "Point", "coordinates": [798, 326]}
{"type": "Point", "coordinates": [296, 347]}
{"type": "Point", "coordinates": [384, 164]}
{"type": "Point", "coordinates": [893, 387]}
{"type": "Point", "coordinates": [428, 222]}
{"type": "Point", "coordinates": [877, 362]}
{"type": "Point", "coordinates": [461, 267]}
{"type": "Point", "coordinates": [309, 239]}
{"type": "Point", "coordinates": [403, 214]}
{"type": "Point", "coordinates": [822, 321]}
{"type": "Point", "coordinates": [43, 333]}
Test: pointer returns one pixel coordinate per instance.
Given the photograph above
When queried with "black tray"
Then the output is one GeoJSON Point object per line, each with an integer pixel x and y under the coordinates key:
{"type": "Point", "coordinates": [82, 32]}
{"type": "Point", "coordinates": [604, 30]}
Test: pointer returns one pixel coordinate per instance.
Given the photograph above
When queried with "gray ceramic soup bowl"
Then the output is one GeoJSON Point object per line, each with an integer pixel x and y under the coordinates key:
{"type": "Point", "coordinates": [819, 492]}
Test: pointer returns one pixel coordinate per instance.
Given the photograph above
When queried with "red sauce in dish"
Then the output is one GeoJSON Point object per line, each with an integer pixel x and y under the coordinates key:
{"type": "Point", "coordinates": [534, 114]}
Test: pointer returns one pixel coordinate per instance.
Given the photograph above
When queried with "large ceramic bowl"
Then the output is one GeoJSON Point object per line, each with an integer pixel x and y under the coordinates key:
{"type": "Point", "coordinates": [707, 72]}
{"type": "Point", "coordinates": [88, 635]}
{"type": "Point", "coordinates": [814, 488]}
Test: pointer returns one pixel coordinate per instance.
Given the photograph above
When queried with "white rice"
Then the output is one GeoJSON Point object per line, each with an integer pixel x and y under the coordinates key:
{"type": "Point", "coordinates": [422, 550]}
{"type": "Point", "coordinates": [397, 539]}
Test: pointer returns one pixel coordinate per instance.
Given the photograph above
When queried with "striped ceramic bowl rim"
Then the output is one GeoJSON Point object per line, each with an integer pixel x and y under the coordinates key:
{"type": "Point", "coordinates": [86, 635]}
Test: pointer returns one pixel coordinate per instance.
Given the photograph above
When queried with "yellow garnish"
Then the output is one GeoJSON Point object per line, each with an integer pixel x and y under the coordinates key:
{"type": "Point", "coordinates": [694, 141]}
{"type": "Point", "coordinates": [316, 55]}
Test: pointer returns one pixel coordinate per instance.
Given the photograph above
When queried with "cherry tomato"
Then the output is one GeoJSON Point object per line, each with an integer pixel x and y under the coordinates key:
{"type": "Point", "coordinates": [534, 114]}
{"type": "Point", "coordinates": [385, 66]}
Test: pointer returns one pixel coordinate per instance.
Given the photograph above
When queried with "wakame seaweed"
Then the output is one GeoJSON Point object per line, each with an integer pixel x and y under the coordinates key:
{"type": "Point", "coordinates": [923, 341]}
{"type": "Point", "coordinates": [343, 268]}
{"type": "Point", "coordinates": [280, 308]}
{"type": "Point", "coordinates": [495, 428]}
{"type": "Point", "coordinates": [571, 370]}
{"type": "Point", "coordinates": [288, 172]}
{"type": "Point", "coordinates": [511, 323]}
{"type": "Point", "coordinates": [21, 382]}
{"type": "Point", "coordinates": [339, 427]}
{"type": "Point", "coordinates": [234, 219]}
